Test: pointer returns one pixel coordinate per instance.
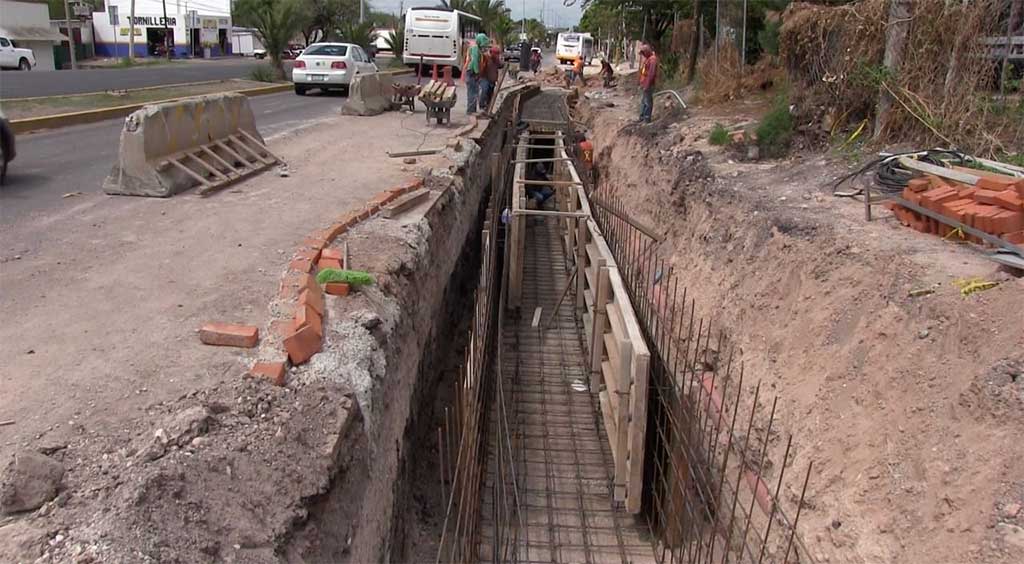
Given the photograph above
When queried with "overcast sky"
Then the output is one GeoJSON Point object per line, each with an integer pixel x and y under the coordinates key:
{"type": "Point", "coordinates": [555, 12]}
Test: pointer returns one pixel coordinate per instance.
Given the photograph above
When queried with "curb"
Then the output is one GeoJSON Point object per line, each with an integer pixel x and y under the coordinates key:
{"type": "Point", "coordinates": [139, 89]}
{"type": "Point", "coordinates": [57, 121]}
{"type": "Point", "coordinates": [91, 116]}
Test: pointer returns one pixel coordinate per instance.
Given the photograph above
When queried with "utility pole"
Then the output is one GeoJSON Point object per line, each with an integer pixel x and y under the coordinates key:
{"type": "Point", "coordinates": [71, 35]}
{"type": "Point", "coordinates": [895, 43]}
{"type": "Point", "coordinates": [131, 32]}
{"type": "Point", "coordinates": [523, 30]}
{"type": "Point", "coordinates": [362, 15]}
{"type": "Point", "coordinates": [167, 35]}
{"type": "Point", "coordinates": [743, 50]}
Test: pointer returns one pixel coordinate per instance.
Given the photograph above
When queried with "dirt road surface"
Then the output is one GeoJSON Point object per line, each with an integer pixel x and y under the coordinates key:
{"type": "Point", "coordinates": [102, 295]}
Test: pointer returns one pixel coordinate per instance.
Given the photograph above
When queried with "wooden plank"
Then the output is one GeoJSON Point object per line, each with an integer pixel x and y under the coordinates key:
{"type": "Point", "coordinates": [252, 152]}
{"type": "Point", "coordinates": [536, 317]}
{"type": "Point", "coordinates": [237, 156]}
{"type": "Point", "coordinates": [208, 167]}
{"type": "Point", "coordinates": [257, 142]}
{"type": "Point", "coordinates": [581, 263]}
{"type": "Point", "coordinates": [201, 180]}
{"type": "Point", "coordinates": [640, 366]}
{"type": "Point", "coordinates": [943, 172]}
{"type": "Point", "coordinates": [405, 203]}
{"type": "Point", "coordinates": [620, 404]}
{"type": "Point", "coordinates": [598, 330]}
{"type": "Point", "coordinates": [231, 169]}
{"type": "Point", "coordinates": [609, 423]}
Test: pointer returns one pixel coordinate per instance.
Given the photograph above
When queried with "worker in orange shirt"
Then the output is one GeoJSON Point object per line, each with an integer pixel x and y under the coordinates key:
{"type": "Point", "coordinates": [648, 79]}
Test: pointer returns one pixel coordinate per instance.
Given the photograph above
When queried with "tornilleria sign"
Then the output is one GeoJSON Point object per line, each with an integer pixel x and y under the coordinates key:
{"type": "Point", "coordinates": [153, 21]}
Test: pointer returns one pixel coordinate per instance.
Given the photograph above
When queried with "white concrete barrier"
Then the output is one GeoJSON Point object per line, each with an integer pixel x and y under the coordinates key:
{"type": "Point", "coordinates": [369, 95]}
{"type": "Point", "coordinates": [170, 147]}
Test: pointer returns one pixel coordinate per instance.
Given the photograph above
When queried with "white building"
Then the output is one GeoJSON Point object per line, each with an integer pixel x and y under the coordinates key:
{"type": "Point", "coordinates": [27, 24]}
{"type": "Point", "coordinates": [197, 28]}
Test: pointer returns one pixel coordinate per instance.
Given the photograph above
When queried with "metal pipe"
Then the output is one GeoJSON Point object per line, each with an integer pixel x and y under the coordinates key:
{"type": "Point", "coordinates": [674, 93]}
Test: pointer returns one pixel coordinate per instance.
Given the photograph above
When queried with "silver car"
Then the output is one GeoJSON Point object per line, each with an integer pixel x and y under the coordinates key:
{"type": "Point", "coordinates": [329, 66]}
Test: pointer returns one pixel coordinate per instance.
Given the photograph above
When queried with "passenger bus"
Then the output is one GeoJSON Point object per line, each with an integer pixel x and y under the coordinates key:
{"type": "Point", "coordinates": [439, 36]}
{"type": "Point", "coordinates": [571, 44]}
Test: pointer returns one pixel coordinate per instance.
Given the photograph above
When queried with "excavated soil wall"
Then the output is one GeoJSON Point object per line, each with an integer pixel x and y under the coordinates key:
{"type": "Point", "coordinates": [908, 404]}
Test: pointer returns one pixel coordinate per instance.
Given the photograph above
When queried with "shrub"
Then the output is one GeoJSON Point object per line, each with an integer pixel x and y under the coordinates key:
{"type": "Point", "coordinates": [775, 131]}
{"type": "Point", "coordinates": [262, 73]}
{"type": "Point", "coordinates": [719, 135]}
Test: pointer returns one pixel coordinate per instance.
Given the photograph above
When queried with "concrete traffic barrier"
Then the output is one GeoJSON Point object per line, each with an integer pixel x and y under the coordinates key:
{"type": "Point", "coordinates": [369, 95]}
{"type": "Point", "coordinates": [169, 147]}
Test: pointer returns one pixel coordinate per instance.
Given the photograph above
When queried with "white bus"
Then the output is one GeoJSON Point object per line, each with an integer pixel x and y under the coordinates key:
{"type": "Point", "coordinates": [439, 36]}
{"type": "Point", "coordinates": [571, 44]}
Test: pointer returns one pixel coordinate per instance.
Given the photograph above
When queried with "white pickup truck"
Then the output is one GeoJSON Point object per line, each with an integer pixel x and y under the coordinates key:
{"type": "Point", "coordinates": [12, 57]}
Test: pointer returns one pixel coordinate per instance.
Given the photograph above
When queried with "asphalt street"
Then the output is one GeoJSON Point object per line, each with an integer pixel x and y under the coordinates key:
{"type": "Point", "coordinates": [50, 164]}
{"type": "Point", "coordinates": [17, 84]}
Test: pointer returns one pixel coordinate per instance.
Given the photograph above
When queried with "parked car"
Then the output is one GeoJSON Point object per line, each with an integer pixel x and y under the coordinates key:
{"type": "Point", "coordinates": [330, 66]}
{"type": "Point", "coordinates": [13, 57]}
{"type": "Point", "coordinates": [513, 53]}
{"type": "Point", "coordinates": [6, 146]}
{"type": "Point", "coordinates": [259, 53]}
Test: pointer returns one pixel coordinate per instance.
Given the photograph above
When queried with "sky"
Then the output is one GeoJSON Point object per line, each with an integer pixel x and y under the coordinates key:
{"type": "Point", "coordinates": [555, 13]}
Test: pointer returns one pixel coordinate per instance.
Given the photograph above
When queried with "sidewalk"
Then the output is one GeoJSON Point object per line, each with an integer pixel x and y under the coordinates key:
{"type": "Point", "coordinates": [103, 310]}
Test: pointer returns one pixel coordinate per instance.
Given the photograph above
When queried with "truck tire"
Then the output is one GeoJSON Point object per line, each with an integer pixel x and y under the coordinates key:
{"type": "Point", "coordinates": [300, 90]}
{"type": "Point", "coordinates": [24, 65]}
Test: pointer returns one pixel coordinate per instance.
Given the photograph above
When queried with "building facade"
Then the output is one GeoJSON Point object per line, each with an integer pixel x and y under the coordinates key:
{"type": "Point", "coordinates": [192, 28]}
{"type": "Point", "coordinates": [26, 23]}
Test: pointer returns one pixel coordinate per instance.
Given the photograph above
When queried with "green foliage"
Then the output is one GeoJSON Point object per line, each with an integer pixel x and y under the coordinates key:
{"type": "Point", "coordinates": [775, 131]}
{"type": "Point", "coordinates": [275, 21]}
{"type": "Point", "coordinates": [870, 75]}
{"type": "Point", "coordinates": [321, 17]}
{"type": "Point", "coordinates": [359, 33]}
{"type": "Point", "coordinates": [262, 73]}
{"type": "Point", "coordinates": [396, 42]}
{"type": "Point", "coordinates": [350, 277]}
{"type": "Point", "coordinates": [768, 38]}
{"type": "Point", "coordinates": [719, 135]}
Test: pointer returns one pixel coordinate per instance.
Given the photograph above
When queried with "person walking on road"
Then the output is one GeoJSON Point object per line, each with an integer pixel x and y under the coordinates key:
{"type": "Point", "coordinates": [474, 68]}
{"type": "Point", "coordinates": [648, 79]}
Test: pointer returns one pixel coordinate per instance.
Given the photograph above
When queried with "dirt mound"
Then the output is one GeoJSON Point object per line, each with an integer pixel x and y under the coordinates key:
{"type": "Point", "coordinates": [907, 404]}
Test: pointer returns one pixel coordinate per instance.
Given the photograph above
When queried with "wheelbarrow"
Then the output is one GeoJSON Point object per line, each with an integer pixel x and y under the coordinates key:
{"type": "Point", "coordinates": [405, 95]}
{"type": "Point", "coordinates": [438, 98]}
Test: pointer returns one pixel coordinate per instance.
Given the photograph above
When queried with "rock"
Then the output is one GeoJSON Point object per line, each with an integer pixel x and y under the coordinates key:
{"type": "Point", "coordinates": [182, 427]}
{"type": "Point", "coordinates": [1010, 510]}
{"type": "Point", "coordinates": [29, 481]}
{"type": "Point", "coordinates": [1012, 534]}
{"type": "Point", "coordinates": [923, 334]}
{"type": "Point", "coordinates": [409, 160]}
{"type": "Point", "coordinates": [21, 542]}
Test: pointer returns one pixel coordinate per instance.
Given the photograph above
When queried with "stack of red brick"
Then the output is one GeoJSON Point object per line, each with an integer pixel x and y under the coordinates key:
{"type": "Point", "coordinates": [994, 205]}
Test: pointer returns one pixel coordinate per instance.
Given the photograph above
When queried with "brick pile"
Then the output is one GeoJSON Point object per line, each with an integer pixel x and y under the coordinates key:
{"type": "Point", "coordinates": [994, 205]}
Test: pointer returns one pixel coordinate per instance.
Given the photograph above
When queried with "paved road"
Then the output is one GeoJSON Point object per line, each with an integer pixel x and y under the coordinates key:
{"type": "Point", "coordinates": [77, 159]}
{"type": "Point", "coordinates": [16, 84]}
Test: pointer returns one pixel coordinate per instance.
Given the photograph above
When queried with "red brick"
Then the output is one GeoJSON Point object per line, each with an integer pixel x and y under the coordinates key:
{"type": "Point", "coordinates": [331, 253]}
{"type": "Point", "coordinates": [1010, 200]}
{"type": "Point", "coordinates": [272, 371]}
{"type": "Point", "coordinates": [968, 192]}
{"type": "Point", "coordinates": [995, 183]}
{"type": "Point", "coordinates": [950, 208]}
{"type": "Point", "coordinates": [228, 335]}
{"type": "Point", "coordinates": [300, 264]}
{"type": "Point", "coordinates": [315, 242]}
{"type": "Point", "coordinates": [371, 209]}
{"type": "Point", "coordinates": [412, 185]}
{"type": "Point", "coordinates": [335, 230]}
{"type": "Point", "coordinates": [1007, 222]}
{"type": "Point", "coordinates": [983, 216]}
{"type": "Point", "coordinates": [293, 283]}
{"type": "Point", "coordinates": [986, 196]}
{"type": "Point", "coordinates": [337, 288]}
{"type": "Point", "coordinates": [939, 182]}
{"type": "Point", "coordinates": [305, 315]}
{"type": "Point", "coordinates": [1020, 187]}
{"type": "Point", "coordinates": [313, 298]}
{"type": "Point", "coordinates": [279, 328]}
{"type": "Point", "coordinates": [326, 263]}
{"type": "Point", "coordinates": [1017, 237]}
{"type": "Point", "coordinates": [302, 344]}
{"type": "Point", "coordinates": [911, 196]}
{"type": "Point", "coordinates": [918, 184]}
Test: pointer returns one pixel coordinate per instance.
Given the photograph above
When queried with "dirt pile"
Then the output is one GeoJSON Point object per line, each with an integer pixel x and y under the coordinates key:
{"type": "Point", "coordinates": [904, 401]}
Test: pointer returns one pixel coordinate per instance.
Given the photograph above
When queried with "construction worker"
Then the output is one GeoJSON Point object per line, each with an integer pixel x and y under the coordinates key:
{"type": "Point", "coordinates": [474, 68]}
{"type": "Point", "coordinates": [648, 79]}
{"type": "Point", "coordinates": [489, 78]}
{"type": "Point", "coordinates": [607, 73]}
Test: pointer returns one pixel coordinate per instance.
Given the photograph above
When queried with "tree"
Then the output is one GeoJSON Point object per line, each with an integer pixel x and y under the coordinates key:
{"type": "Point", "coordinates": [895, 43]}
{"type": "Point", "coordinates": [360, 33]}
{"type": "Point", "coordinates": [275, 21]}
{"type": "Point", "coordinates": [396, 41]}
{"type": "Point", "coordinates": [321, 17]}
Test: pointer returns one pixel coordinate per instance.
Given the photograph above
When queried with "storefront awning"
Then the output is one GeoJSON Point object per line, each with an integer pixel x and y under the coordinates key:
{"type": "Point", "coordinates": [31, 33]}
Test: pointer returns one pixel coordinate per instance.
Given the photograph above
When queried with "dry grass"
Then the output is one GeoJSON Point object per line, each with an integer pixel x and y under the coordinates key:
{"type": "Point", "coordinates": [942, 91]}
